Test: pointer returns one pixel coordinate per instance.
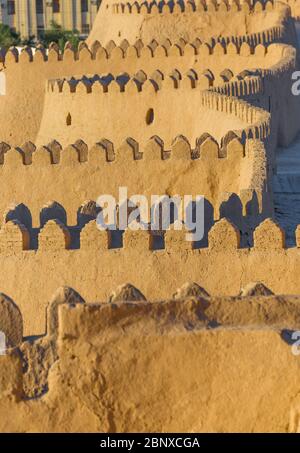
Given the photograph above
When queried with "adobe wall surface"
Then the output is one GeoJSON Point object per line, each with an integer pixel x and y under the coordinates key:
{"type": "Point", "coordinates": [233, 174]}
{"type": "Point", "coordinates": [157, 91]}
{"type": "Point", "coordinates": [220, 109]}
{"type": "Point", "coordinates": [26, 79]}
{"type": "Point", "coordinates": [33, 75]}
{"type": "Point", "coordinates": [94, 270]}
{"type": "Point", "coordinates": [158, 21]}
{"type": "Point", "coordinates": [149, 170]}
{"type": "Point", "coordinates": [126, 116]}
{"type": "Point", "coordinates": [104, 352]}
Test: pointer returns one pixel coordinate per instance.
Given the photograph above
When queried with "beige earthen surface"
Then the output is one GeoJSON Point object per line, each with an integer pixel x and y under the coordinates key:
{"type": "Point", "coordinates": [95, 275]}
{"type": "Point", "coordinates": [169, 366]}
{"type": "Point", "coordinates": [11, 322]}
{"type": "Point", "coordinates": [190, 99]}
{"type": "Point", "coordinates": [187, 24]}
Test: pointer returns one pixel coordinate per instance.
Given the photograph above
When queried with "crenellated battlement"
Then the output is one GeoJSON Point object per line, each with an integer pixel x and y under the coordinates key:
{"type": "Point", "coordinates": [225, 254]}
{"type": "Point", "coordinates": [223, 236]}
{"type": "Point", "coordinates": [109, 83]}
{"type": "Point", "coordinates": [156, 81]}
{"type": "Point", "coordinates": [141, 50]}
{"type": "Point", "coordinates": [190, 6]}
{"type": "Point", "coordinates": [118, 339]}
{"type": "Point", "coordinates": [254, 82]}
{"type": "Point", "coordinates": [210, 168]}
{"type": "Point", "coordinates": [170, 115]}
{"type": "Point", "coordinates": [228, 159]}
{"type": "Point", "coordinates": [181, 147]}
{"type": "Point", "coordinates": [19, 233]}
{"type": "Point", "coordinates": [186, 64]}
{"type": "Point", "coordinates": [54, 154]}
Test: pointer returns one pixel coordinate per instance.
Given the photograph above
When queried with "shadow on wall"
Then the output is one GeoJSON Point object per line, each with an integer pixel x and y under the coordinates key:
{"type": "Point", "coordinates": [18, 233]}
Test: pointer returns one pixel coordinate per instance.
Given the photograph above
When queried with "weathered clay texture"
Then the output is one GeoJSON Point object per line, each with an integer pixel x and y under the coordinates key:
{"type": "Point", "coordinates": [184, 98]}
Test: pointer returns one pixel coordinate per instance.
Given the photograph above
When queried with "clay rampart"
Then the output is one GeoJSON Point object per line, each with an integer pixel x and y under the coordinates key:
{"type": "Point", "coordinates": [231, 265]}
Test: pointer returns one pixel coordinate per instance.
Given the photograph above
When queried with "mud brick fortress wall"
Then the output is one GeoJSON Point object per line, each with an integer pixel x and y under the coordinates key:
{"type": "Point", "coordinates": [96, 267]}
{"type": "Point", "coordinates": [27, 75]}
{"type": "Point", "coordinates": [172, 115]}
{"type": "Point", "coordinates": [194, 109]}
{"type": "Point", "coordinates": [52, 395]}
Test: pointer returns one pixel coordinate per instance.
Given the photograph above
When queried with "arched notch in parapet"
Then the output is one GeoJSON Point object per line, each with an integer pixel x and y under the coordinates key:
{"type": "Point", "coordinates": [104, 151]}
{"type": "Point", "coordinates": [206, 80]}
{"type": "Point", "coordinates": [128, 151]}
{"type": "Point", "coordinates": [176, 239]}
{"type": "Point", "coordinates": [245, 49]}
{"type": "Point", "coordinates": [78, 152]}
{"type": "Point", "coordinates": [14, 237]}
{"type": "Point", "coordinates": [154, 149]}
{"type": "Point", "coordinates": [269, 235]}
{"type": "Point", "coordinates": [49, 154]}
{"type": "Point", "coordinates": [224, 236]}
{"type": "Point", "coordinates": [141, 76]}
{"type": "Point", "coordinates": [229, 206]}
{"type": "Point", "coordinates": [189, 6]}
{"type": "Point", "coordinates": [191, 289]}
{"type": "Point", "coordinates": [54, 236]}
{"type": "Point", "coordinates": [242, 212]}
{"type": "Point", "coordinates": [87, 212]}
{"type": "Point", "coordinates": [63, 295]}
{"type": "Point", "coordinates": [158, 76]}
{"type": "Point", "coordinates": [133, 86]}
{"type": "Point", "coordinates": [27, 150]}
{"type": "Point", "coordinates": [84, 53]}
{"type": "Point", "coordinates": [232, 146]}
{"type": "Point", "coordinates": [12, 55]}
{"type": "Point", "coordinates": [207, 147]}
{"type": "Point", "coordinates": [20, 213]}
{"type": "Point", "coordinates": [181, 148]}
{"type": "Point", "coordinates": [126, 293]}
{"type": "Point", "coordinates": [94, 48]}
{"type": "Point", "coordinates": [40, 54]}
{"type": "Point", "coordinates": [108, 148]}
{"type": "Point", "coordinates": [54, 53]}
{"type": "Point", "coordinates": [21, 154]}
{"type": "Point", "coordinates": [140, 240]}
{"type": "Point", "coordinates": [226, 75]}
{"type": "Point", "coordinates": [53, 211]}
{"type": "Point", "coordinates": [26, 55]}
{"type": "Point", "coordinates": [92, 238]}
{"type": "Point", "coordinates": [255, 289]}
{"type": "Point", "coordinates": [245, 46]}
{"type": "Point", "coordinates": [55, 150]}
